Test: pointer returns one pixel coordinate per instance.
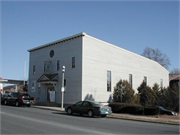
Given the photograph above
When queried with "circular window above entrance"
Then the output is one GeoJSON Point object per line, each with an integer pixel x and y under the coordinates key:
{"type": "Point", "coordinates": [51, 53]}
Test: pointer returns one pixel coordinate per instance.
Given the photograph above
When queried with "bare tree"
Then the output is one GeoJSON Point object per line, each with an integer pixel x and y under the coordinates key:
{"type": "Point", "coordinates": [156, 55]}
{"type": "Point", "coordinates": [175, 71]}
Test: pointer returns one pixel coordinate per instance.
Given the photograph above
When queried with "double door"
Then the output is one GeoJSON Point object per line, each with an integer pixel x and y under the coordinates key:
{"type": "Point", "coordinates": [51, 95]}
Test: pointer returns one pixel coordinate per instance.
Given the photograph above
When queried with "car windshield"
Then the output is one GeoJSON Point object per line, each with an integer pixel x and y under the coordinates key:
{"type": "Point", "coordinates": [96, 104]}
{"type": "Point", "coordinates": [161, 107]}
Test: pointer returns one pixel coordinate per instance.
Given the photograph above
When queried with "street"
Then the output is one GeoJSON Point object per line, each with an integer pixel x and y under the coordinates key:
{"type": "Point", "coordinates": [24, 120]}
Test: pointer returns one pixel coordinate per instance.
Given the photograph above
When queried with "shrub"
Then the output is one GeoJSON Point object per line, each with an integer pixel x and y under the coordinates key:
{"type": "Point", "coordinates": [123, 92]}
{"type": "Point", "coordinates": [147, 96]}
{"type": "Point", "coordinates": [126, 108]}
{"type": "Point", "coordinates": [116, 107]}
{"type": "Point", "coordinates": [151, 111]}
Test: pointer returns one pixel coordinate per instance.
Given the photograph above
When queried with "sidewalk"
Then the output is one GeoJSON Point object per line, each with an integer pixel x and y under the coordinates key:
{"type": "Point", "coordinates": [121, 116]}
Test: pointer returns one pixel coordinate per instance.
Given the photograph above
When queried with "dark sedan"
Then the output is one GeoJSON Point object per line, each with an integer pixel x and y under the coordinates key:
{"type": "Point", "coordinates": [164, 111]}
{"type": "Point", "coordinates": [90, 108]}
{"type": "Point", "coordinates": [3, 96]}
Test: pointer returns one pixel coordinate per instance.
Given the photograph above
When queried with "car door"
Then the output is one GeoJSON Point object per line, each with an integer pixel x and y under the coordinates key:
{"type": "Point", "coordinates": [76, 107]}
{"type": "Point", "coordinates": [85, 107]}
{"type": "Point", "coordinates": [9, 98]}
{"type": "Point", "coordinates": [14, 97]}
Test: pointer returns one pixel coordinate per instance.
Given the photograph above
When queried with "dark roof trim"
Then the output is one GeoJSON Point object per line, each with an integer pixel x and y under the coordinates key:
{"type": "Point", "coordinates": [175, 78]}
{"type": "Point", "coordinates": [58, 41]}
{"type": "Point", "coordinates": [48, 77]}
{"type": "Point", "coordinates": [8, 81]}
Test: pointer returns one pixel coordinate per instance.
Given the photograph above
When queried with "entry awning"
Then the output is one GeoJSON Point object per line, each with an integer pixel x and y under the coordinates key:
{"type": "Point", "coordinates": [48, 78]}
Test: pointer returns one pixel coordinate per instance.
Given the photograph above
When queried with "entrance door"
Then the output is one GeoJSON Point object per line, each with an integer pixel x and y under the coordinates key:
{"type": "Point", "coordinates": [51, 94]}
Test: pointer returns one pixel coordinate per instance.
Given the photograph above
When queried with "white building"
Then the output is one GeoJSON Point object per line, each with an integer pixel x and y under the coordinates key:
{"type": "Point", "coordinates": [93, 67]}
{"type": "Point", "coordinates": [1, 87]}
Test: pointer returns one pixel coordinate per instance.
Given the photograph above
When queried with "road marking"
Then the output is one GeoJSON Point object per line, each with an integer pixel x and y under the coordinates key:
{"type": "Point", "coordinates": [55, 124]}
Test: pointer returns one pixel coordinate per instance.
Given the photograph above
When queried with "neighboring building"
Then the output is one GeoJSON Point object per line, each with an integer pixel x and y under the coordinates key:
{"type": "Point", "coordinates": [1, 86]}
{"type": "Point", "coordinates": [174, 79]}
{"type": "Point", "coordinates": [12, 88]}
{"type": "Point", "coordinates": [93, 67]}
{"type": "Point", "coordinates": [18, 85]}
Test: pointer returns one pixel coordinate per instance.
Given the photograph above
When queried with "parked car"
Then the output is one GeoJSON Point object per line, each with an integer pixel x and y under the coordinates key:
{"type": "Point", "coordinates": [90, 108]}
{"type": "Point", "coordinates": [18, 98]}
{"type": "Point", "coordinates": [165, 111]}
{"type": "Point", "coordinates": [3, 96]}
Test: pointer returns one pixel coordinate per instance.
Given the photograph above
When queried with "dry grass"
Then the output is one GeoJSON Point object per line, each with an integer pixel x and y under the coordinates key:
{"type": "Point", "coordinates": [165, 116]}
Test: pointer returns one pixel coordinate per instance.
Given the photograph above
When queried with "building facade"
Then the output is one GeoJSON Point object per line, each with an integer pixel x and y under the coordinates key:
{"type": "Point", "coordinates": [93, 67]}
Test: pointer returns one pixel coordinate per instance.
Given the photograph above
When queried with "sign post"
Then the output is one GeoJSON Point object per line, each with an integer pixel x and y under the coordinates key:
{"type": "Point", "coordinates": [62, 88]}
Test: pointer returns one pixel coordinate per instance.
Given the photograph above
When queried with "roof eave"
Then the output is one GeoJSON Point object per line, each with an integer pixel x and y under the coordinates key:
{"type": "Point", "coordinates": [64, 39]}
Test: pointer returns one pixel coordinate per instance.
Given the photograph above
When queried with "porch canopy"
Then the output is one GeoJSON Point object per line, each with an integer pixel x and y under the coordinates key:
{"type": "Point", "coordinates": [48, 79]}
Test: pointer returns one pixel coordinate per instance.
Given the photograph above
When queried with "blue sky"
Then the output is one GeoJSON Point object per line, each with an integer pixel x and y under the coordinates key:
{"type": "Point", "coordinates": [132, 25]}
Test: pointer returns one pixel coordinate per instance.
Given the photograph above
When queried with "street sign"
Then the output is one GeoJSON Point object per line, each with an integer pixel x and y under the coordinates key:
{"type": "Point", "coordinates": [62, 89]}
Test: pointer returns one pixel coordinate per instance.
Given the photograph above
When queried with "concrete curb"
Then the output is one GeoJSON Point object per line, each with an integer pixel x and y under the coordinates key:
{"type": "Point", "coordinates": [146, 119]}
{"type": "Point", "coordinates": [121, 116]}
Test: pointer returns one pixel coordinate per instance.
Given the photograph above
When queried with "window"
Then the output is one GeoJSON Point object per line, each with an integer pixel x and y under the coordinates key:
{"type": "Point", "coordinates": [34, 69]}
{"type": "Point", "coordinates": [58, 65]}
{"type": "Point", "coordinates": [44, 67]}
{"type": "Point", "coordinates": [79, 103]}
{"type": "Point", "coordinates": [47, 66]}
{"type": "Point", "coordinates": [73, 62]}
{"type": "Point", "coordinates": [130, 80]}
{"type": "Point", "coordinates": [51, 54]}
{"type": "Point", "coordinates": [86, 104]}
{"type": "Point", "coordinates": [33, 86]}
{"type": "Point", "coordinates": [109, 81]}
{"type": "Point", "coordinates": [145, 79]}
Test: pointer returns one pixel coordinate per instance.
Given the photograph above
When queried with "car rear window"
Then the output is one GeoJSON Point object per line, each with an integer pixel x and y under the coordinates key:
{"type": "Point", "coordinates": [15, 94]}
{"type": "Point", "coordinates": [96, 104]}
{"type": "Point", "coordinates": [25, 95]}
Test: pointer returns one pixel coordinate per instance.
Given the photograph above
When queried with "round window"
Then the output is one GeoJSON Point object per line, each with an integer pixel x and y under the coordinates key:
{"type": "Point", "coordinates": [51, 53]}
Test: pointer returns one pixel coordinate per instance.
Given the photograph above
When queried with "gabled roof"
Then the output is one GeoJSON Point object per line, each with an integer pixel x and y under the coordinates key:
{"type": "Point", "coordinates": [175, 78]}
{"type": "Point", "coordinates": [48, 77]}
{"type": "Point", "coordinates": [58, 41]}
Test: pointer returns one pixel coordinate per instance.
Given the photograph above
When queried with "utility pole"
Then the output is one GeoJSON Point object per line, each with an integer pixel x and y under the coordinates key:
{"type": "Point", "coordinates": [62, 88]}
{"type": "Point", "coordinates": [24, 72]}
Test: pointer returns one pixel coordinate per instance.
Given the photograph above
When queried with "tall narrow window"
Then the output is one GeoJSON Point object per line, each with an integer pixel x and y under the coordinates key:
{"type": "Point", "coordinates": [33, 86]}
{"type": "Point", "coordinates": [34, 69]}
{"type": "Point", "coordinates": [130, 80]}
{"type": "Point", "coordinates": [58, 65]}
{"type": "Point", "coordinates": [44, 67]}
{"type": "Point", "coordinates": [73, 62]}
{"type": "Point", "coordinates": [47, 66]}
{"type": "Point", "coordinates": [145, 79]}
{"type": "Point", "coordinates": [161, 83]}
{"type": "Point", "coordinates": [109, 81]}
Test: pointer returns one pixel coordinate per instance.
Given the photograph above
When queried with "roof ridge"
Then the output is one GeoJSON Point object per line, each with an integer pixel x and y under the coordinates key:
{"type": "Point", "coordinates": [58, 41]}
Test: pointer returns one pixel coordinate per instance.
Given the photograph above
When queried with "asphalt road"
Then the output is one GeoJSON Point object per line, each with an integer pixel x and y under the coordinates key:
{"type": "Point", "coordinates": [24, 120]}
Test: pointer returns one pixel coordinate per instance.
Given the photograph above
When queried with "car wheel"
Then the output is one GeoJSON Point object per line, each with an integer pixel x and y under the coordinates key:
{"type": "Point", "coordinates": [103, 115]}
{"type": "Point", "coordinates": [17, 103]}
{"type": "Point", "coordinates": [90, 113]}
{"type": "Point", "coordinates": [5, 102]}
{"type": "Point", "coordinates": [69, 111]}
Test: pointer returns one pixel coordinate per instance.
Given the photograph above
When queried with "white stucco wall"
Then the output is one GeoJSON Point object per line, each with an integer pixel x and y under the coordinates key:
{"type": "Point", "coordinates": [100, 57]}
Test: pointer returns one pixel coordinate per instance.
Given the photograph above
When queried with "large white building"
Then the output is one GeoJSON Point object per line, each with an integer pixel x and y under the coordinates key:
{"type": "Point", "coordinates": [93, 67]}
